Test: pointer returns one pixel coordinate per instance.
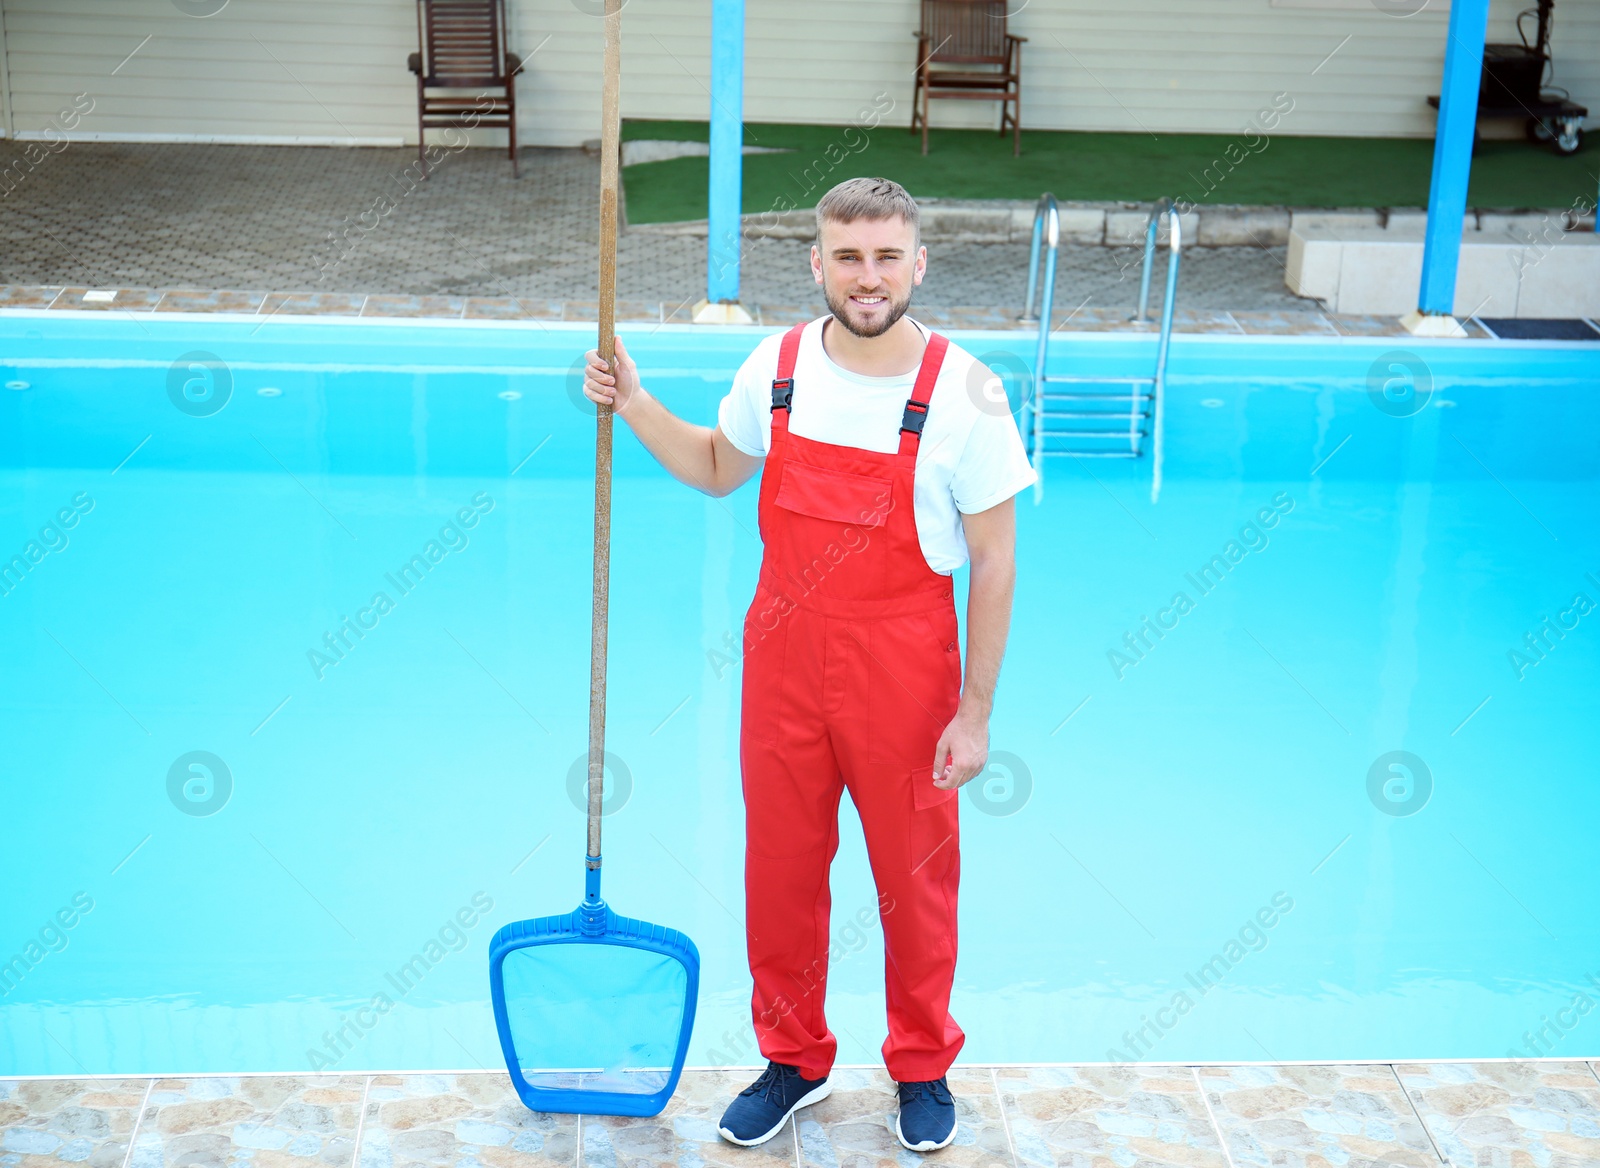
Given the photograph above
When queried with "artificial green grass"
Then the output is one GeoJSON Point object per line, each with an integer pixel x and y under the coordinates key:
{"type": "Point", "coordinates": [977, 164]}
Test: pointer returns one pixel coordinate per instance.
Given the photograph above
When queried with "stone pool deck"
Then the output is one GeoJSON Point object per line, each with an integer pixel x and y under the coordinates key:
{"type": "Point", "coordinates": [309, 218]}
{"type": "Point", "coordinates": [354, 232]}
{"type": "Point", "coordinates": [1500, 1114]}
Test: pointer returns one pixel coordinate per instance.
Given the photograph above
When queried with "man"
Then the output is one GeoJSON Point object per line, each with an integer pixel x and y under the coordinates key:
{"type": "Point", "coordinates": [886, 468]}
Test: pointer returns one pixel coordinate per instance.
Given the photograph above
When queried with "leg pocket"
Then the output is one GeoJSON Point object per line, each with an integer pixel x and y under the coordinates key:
{"type": "Point", "coordinates": [924, 794]}
{"type": "Point", "coordinates": [935, 824]}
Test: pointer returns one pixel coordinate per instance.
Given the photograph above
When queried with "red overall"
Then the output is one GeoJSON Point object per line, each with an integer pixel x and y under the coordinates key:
{"type": "Point", "coordinates": [852, 670]}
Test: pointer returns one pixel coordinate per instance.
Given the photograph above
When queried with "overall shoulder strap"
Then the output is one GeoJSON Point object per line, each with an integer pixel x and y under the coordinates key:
{"type": "Point", "coordinates": [916, 412]}
{"type": "Point", "coordinates": [783, 383]}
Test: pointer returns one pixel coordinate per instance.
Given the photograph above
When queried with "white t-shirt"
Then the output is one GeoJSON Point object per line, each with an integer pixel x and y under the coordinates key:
{"type": "Point", "coordinates": [970, 459]}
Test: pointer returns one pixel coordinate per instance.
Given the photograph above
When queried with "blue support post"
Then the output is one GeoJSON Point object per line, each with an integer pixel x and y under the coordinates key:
{"type": "Point", "coordinates": [1452, 155]}
{"type": "Point", "coordinates": [727, 140]}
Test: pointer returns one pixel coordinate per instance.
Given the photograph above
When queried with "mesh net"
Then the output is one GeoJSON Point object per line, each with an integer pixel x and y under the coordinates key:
{"type": "Point", "coordinates": [594, 1017]}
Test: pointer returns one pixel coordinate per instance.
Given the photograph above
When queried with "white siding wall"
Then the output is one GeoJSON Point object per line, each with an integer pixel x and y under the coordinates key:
{"type": "Point", "coordinates": [334, 70]}
{"type": "Point", "coordinates": [273, 68]}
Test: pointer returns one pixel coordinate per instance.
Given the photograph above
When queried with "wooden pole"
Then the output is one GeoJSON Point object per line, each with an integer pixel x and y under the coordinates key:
{"type": "Point", "coordinates": [610, 149]}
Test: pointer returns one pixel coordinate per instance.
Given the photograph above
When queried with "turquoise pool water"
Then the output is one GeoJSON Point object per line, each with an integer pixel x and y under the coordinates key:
{"type": "Point", "coordinates": [234, 829]}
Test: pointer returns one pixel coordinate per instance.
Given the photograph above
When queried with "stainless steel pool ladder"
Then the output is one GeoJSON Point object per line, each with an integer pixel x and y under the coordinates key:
{"type": "Point", "coordinates": [1100, 422]}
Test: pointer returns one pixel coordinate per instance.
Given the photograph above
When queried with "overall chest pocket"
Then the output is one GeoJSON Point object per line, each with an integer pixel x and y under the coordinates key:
{"type": "Point", "coordinates": [840, 496]}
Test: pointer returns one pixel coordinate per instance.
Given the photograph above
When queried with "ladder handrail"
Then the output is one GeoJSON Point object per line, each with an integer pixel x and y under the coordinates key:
{"type": "Point", "coordinates": [1174, 245]}
{"type": "Point", "coordinates": [1046, 231]}
{"type": "Point", "coordinates": [1045, 211]}
{"type": "Point", "coordinates": [1046, 239]}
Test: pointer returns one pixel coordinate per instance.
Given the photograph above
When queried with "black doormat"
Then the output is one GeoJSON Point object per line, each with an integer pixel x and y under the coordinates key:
{"type": "Point", "coordinates": [1540, 330]}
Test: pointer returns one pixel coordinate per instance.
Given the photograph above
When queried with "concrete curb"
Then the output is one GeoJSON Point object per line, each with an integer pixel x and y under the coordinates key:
{"type": "Point", "coordinates": [1123, 224]}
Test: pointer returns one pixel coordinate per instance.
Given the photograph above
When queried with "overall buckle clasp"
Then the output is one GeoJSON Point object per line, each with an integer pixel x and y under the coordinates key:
{"type": "Point", "coordinates": [782, 393]}
{"type": "Point", "coordinates": [915, 417]}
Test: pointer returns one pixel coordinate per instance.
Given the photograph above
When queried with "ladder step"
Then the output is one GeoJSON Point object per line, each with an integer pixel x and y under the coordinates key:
{"type": "Point", "coordinates": [1122, 409]}
{"type": "Point", "coordinates": [1123, 419]}
{"type": "Point", "coordinates": [1121, 397]}
{"type": "Point", "coordinates": [1107, 415]}
{"type": "Point", "coordinates": [1100, 405]}
{"type": "Point", "coordinates": [1091, 454]}
{"type": "Point", "coordinates": [1085, 379]}
{"type": "Point", "coordinates": [1083, 432]}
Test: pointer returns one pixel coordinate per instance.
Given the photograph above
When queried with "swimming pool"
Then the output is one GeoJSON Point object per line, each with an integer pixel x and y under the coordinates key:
{"type": "Point", "coordinates": [234, 823]}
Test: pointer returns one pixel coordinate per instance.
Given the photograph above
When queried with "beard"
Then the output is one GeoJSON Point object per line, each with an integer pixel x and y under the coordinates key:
{"type": "Point", "coordinates": [840, 306]}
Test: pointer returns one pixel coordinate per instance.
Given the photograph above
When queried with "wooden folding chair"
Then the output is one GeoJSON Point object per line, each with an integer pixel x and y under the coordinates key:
{"type": "Point", "coordinates": [463, 46]}
{"type": "Point", "coordinates": [964, 52]}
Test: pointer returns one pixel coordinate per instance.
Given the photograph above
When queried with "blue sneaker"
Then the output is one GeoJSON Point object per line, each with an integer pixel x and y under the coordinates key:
{"type": "Point", "coordinates": [759, 1111]}
{"type": "Point", "coordinates": [927, 1119]}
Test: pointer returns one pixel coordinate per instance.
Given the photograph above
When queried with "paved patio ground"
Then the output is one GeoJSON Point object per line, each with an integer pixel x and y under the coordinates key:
{"type": "Point", "coordinates": [1407, 1115]}
{"type": "Point", "coordinates": [358, 221]}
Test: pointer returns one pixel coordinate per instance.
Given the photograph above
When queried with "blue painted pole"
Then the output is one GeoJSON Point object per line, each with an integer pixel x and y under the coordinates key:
{"type": "Point", "coordinates": [727, 140]}
{"type": "Point", "coordinates": [1452, 155]}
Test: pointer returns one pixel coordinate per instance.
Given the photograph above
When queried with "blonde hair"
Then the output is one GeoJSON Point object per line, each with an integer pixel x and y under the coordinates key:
{"type": "Point", "coordinates": [867, 198]}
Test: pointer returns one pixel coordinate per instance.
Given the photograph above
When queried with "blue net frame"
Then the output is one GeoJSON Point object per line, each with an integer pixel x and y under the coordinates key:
{"type": "Point", "coordinates": [592, 924]}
